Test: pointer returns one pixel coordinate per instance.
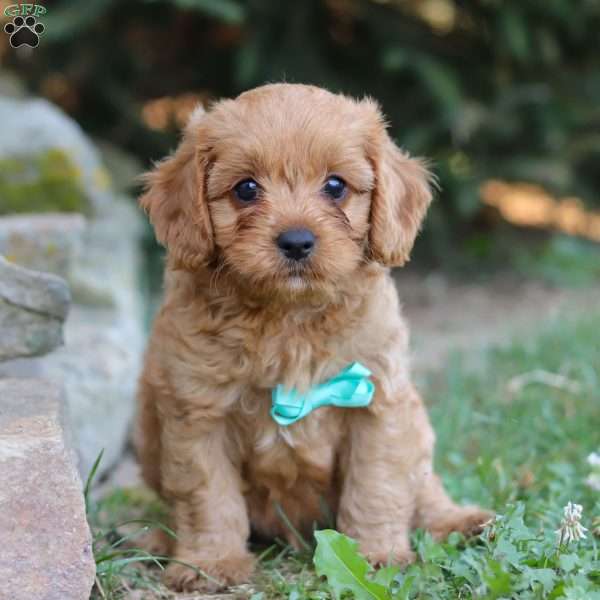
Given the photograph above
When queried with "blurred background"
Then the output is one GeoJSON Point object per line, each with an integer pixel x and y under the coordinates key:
{"type": "Point", "coordinates": [503, 97]}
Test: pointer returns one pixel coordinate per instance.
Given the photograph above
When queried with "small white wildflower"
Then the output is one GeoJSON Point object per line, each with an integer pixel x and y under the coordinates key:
{"type": "Point", "coordinates": [593, 481]}
{"type": "Point", "coordinates": [594, 459]}
{"type": "Point", "coordinates": [570, 527]}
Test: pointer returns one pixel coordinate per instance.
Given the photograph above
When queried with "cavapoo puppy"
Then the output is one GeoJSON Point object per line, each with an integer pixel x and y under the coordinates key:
{"type": "Point", "coordinates": [276, 381]}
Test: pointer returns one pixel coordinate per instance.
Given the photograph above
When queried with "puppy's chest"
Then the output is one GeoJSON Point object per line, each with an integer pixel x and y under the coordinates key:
{"type": "Point", "coordinates": [291, 356]}
{"type": "Point", "coordinates": [280, 457]}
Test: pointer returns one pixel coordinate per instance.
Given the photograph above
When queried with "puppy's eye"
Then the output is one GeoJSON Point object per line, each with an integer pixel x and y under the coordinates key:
{"type": "Point", "coordinates": [247, 190]}
{"type": "Point", "coordinates": [335, 187]}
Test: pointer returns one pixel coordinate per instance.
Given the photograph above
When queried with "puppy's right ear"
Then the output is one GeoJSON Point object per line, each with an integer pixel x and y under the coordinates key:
{"type": "Point", "coordinates": [175, 201]}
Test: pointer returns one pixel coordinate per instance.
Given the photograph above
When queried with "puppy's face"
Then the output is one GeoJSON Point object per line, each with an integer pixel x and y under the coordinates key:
{"type": "Point", "coordinates": [288, 188]}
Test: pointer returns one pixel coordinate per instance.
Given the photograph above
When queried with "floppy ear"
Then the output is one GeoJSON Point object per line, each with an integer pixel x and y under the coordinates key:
{"type": "Point", "coordinates": [399, 202]}
{"type": "Point", "coordinates": [175, 201]}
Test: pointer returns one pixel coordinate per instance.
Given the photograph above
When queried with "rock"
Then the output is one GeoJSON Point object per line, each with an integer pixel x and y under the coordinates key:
{"type": "Point", "coordinates": [98, 368]}
{"type": "Point", "coordinates": [99, 257]}
{"type": "Point", "coordinates": [107, 273]}
{"type": "Point", "coordinates": [39, 292]}
{"type": "Point", "coordinates": [124, 168]}
{"type": "Point", "coordinates": [81, 251]}
{"type": "Point", "coordinates": [10, 85]}
{"type": "Point", "coordinates": [33, 307]}
{"type": "Point", "coordinates": [46, 543]}
{"type": "Point", "coordinates": [126, 473]}
{"type": "Point", "coordinates": [46, 162]}
{"type": "Point", "coordinates": [46, 181]}
{"type": "Point", "coordinates": [48, 242]}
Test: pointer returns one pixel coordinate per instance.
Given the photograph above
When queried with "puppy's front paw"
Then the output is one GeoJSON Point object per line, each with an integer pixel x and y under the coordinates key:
{"type": "Point", "coordinates": [383, 559]}
{"type": "Point", "coordinates": [379, 556]}
{"type": "Point", "coordinates": [206, 575]}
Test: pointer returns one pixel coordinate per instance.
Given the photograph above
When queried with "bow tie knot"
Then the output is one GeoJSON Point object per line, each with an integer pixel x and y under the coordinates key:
{"type": "Point", "coordinates": [351, 388]}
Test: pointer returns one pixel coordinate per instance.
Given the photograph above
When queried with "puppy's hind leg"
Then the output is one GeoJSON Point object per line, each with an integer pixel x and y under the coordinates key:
{"type": "Point", "coordinates": [146, 436]}
{"type": "Point", "coordinates": [146, 440]}
{"type": "Point", "coordinates": [156, 542]}
{"type": "Point", "coordinates": [439, 515]}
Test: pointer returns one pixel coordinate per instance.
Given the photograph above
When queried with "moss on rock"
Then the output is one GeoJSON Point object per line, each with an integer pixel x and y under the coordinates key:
{"type": "Point", "coordinates": [46, 182]}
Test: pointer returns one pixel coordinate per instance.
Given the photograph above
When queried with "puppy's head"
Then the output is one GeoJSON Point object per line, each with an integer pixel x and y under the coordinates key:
{"type": "Point", "coordinates": [289, 189]}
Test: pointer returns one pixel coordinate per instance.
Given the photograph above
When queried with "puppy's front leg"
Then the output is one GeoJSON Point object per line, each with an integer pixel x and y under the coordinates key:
{"type": "Point", "coordinates": [382, 470]}
{"type": "Point", "coordinates": [209, 511]}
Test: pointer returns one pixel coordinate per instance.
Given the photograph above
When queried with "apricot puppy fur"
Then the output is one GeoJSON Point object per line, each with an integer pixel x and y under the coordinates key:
{"type": "Point", "coordinates": [282, 211]}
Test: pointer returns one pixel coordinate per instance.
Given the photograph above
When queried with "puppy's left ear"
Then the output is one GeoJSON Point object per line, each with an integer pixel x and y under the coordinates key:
{"type": "Point", "coordinates": [399, 202]}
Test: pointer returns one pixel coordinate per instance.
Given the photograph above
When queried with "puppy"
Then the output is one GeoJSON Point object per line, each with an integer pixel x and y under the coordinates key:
{"type": "Point", "coordinates": [282, 211]}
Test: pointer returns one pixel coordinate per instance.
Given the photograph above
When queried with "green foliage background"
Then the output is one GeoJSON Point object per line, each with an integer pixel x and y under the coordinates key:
{"type": "Point", "coordinates": [485, 88]}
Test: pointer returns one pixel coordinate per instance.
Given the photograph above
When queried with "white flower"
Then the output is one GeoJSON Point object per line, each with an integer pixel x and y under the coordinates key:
{"type": "Point", "coordinates": [570, 527]}
{"type": "Point", "coordinates": [593, 481]}
{"type": "Point", "coordinates": [594, 459]}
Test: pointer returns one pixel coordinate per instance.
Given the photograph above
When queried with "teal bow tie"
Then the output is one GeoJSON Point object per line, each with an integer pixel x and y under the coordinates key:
{"type": "Point", "coordinates": [350, 389]}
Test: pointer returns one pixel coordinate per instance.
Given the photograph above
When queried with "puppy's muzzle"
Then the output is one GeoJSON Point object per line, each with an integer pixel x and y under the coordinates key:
{"type": "Point", "coordinates": [296, 244]}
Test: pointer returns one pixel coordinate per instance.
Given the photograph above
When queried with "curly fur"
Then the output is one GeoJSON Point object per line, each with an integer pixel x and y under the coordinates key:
{"type": "Point", "coordinates": [237, 320]}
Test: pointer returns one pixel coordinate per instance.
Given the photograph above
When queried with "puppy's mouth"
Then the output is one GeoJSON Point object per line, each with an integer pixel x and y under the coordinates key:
{"type": "Point", "coordinates": [298, 269]}
{"type": "Point", "coordinates": [298, 275]}
{"type": "Point", "coordinates": [295, 282]}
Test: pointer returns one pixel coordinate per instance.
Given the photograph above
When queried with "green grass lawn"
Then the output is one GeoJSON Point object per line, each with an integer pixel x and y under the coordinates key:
{"type": "Point", "coordinates": [514, 438]}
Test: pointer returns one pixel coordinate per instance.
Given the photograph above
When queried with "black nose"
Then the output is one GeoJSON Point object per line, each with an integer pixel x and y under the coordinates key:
{"type": "Point", "coordinates": [296, 243]}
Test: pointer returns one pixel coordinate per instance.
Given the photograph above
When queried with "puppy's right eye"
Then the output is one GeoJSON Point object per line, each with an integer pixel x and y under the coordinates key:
{"type": "Point", "coordinates": [247, 190]}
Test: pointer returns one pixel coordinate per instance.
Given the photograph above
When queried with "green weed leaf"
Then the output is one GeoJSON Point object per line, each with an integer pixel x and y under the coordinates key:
{"type": "Point", "coordinates": [337, 558]}
{"type": "Point", "coordinates": [89, 481]}
{"type": "Point", "coordinates": [385, 576]}
{"type": "Point", "coordinates": [568, 562]}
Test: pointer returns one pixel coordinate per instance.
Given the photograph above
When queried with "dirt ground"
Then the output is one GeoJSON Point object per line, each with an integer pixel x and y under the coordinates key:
{"type": "Point", "coordinates": [447, 316]}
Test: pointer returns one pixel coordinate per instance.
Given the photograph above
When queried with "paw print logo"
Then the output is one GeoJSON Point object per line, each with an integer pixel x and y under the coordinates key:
{"type": "Point", "coordinates": [24, 32]}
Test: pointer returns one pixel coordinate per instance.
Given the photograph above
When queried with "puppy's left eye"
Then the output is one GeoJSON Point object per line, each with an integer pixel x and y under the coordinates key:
{"type": "Point", "coordinates": [335, 187]}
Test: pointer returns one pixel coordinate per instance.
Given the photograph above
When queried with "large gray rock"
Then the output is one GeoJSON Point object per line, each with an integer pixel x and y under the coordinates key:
{"type": "Point", "coordinates": [35, 132]}
{"type": "Point", "coordinates": [98, 368]}
{"type": "Point", "coordinates": [10, 85]}
{"type": "Point", "coordinates": [44, 242]}
{"type": "Point", "coordinates": [107, 273]}
{"type": "Point", "coordinates": [33, 307]}
{"type": "Point", "coordinates": [46, 550]}
{"type": "Point", "coordinates": [98, 256]}
{"type": "Point", "coordinates": [124, 168]}
{"type": "Point", "coordinates": [99, 364]}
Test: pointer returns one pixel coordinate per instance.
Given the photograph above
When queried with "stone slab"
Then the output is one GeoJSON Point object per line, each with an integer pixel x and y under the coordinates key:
{"type": "Point", "coordinates": [33, 307]}
{"type": "Point", "coordinates": [46, 550]}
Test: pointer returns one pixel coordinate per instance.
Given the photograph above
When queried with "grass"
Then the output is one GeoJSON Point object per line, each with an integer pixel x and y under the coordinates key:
{"type": "Point", "coordinates": [514, 438]}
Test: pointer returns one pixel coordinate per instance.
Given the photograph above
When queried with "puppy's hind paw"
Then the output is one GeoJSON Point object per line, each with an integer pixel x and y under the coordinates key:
{"type": "Point", "coordinates": [156, 542]}
{"type": "Point", "coordinates": [204, 575]}
{"type": "Point", "coordinates": [468, 520]}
